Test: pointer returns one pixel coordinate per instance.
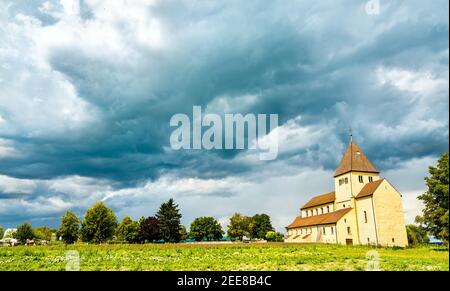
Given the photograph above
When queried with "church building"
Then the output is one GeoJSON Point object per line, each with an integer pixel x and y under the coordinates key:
{"type": "Point", "coordinates": [363, 208]}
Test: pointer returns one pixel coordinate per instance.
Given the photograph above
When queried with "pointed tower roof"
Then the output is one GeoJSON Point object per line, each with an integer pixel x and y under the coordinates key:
{"type": "Point", "coordinates": [354, 160]}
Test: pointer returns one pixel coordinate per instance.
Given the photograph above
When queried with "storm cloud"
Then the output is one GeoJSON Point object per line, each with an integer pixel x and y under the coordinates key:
{"type": "Point", "coordinates": [87, 89]}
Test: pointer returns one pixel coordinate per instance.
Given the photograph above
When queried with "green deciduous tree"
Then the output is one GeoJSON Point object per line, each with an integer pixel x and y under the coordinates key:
{"type": "Point", "coordinates": [183, 233]}
{"type": "Point", "coordinates": [261, 225]}
{"type": "Point", "coordinates": [206, 228]}
{"type": "Point", "coordinates": [239, 226]}
{"type": "Point", "coordinates": [128, 230]}
{"type": "Point", "coordinates": [169, 217]}
{"type": "Point", "coordinates": [2, 232]}
{"type": "Point", "coordinates": [24, 232]}
{"type": "Point", "coordinates": [99, 224]}
{"type": "Point", "coordinates": [43, 233]}
{"type": "Point", "coordinates": [435, 213]}
{"type": "Point", "coordinates": [417, 234]}
{"type": "Point", "coordinates": [69, 228]}
{"type": "Point", "coordinates": [9, 233]}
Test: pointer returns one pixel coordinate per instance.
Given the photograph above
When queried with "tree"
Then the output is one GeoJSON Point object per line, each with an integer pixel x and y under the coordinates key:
{"type": "Point", "coordinates": [128, 230]}
{"type": "Point", "coordinates": [24, 232]}
{"type": "Point", "coordinates": [260, 226]}
{"type": "Point", "coordinates": [169, 221]}
{"type": "Point", "coordinates": [99, 224]}
{"type": "Point", "coordinates": [206, 228]}
{"type": "Point", "coordinates": [417, 234]}
{"type": "Point", "coordinates": [435, 200]}
{"type": "Point", "coordinates": [183, 233]}
{"type": "Point", "coordinates": [69, 229]}
{"type": "Point", "coordinates": [2, 232]}
{"type": "Point", "coordinates": [239, 226]}
{"type": "Point", "coordinates": [43, 233]}
{"type": "Point", "coordinates": [149, 229]}
{"type": "Point", "coordinates": [273, 236]}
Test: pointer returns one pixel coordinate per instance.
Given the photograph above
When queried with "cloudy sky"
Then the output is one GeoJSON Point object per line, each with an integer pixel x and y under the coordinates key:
{"type": "Point", "coordinates": [87, 89]}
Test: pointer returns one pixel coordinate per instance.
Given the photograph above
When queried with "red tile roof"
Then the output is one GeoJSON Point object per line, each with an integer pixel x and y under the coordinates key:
{"type": "Point", "coordinates": [369, 189]}
{"type": "Point", "coordinates": [327, 218]}
{"type": "Point", "coordinates": [320, 200]}
{"type": "Point", "coordinates": [354, 160]}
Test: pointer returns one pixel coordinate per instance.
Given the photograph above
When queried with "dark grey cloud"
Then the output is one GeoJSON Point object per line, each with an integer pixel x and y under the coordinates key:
{"type": "Point", "coordinates": [89, 89]}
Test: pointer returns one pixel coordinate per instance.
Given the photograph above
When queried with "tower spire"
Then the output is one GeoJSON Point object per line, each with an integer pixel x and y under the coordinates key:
{"type": "Point", "coordinates": [354, 160]}
{"type": "Point", "coordinates": [351, 135]}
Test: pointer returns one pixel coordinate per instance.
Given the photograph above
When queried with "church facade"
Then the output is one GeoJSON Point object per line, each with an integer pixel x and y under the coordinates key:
{"type": "Point", "coordinates": [363, 208]}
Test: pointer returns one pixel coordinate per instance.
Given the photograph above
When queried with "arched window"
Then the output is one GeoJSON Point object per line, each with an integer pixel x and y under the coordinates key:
{"type": "Point", "coordinates": [365, 216]}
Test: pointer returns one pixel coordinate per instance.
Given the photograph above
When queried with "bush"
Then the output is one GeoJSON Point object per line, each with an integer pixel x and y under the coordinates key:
{"type": "Point", "coordinates": [206, 228]}
{"type": "Point", "coordinates": [43, 233]}
{"type": "Point", "coordinates": [99, 224]}
{"type": "Point", "coordinates": [273, 236]}
{"type": "Point", "coordinates": [417, 235]}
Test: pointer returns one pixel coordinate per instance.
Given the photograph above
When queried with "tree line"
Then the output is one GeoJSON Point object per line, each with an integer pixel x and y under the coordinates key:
{"type": "Point", "coordinates": [100, 225]}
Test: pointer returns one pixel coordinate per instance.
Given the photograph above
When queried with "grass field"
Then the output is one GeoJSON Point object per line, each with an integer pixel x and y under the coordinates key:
{"type": "Point", "coordinates": [276, 256]}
